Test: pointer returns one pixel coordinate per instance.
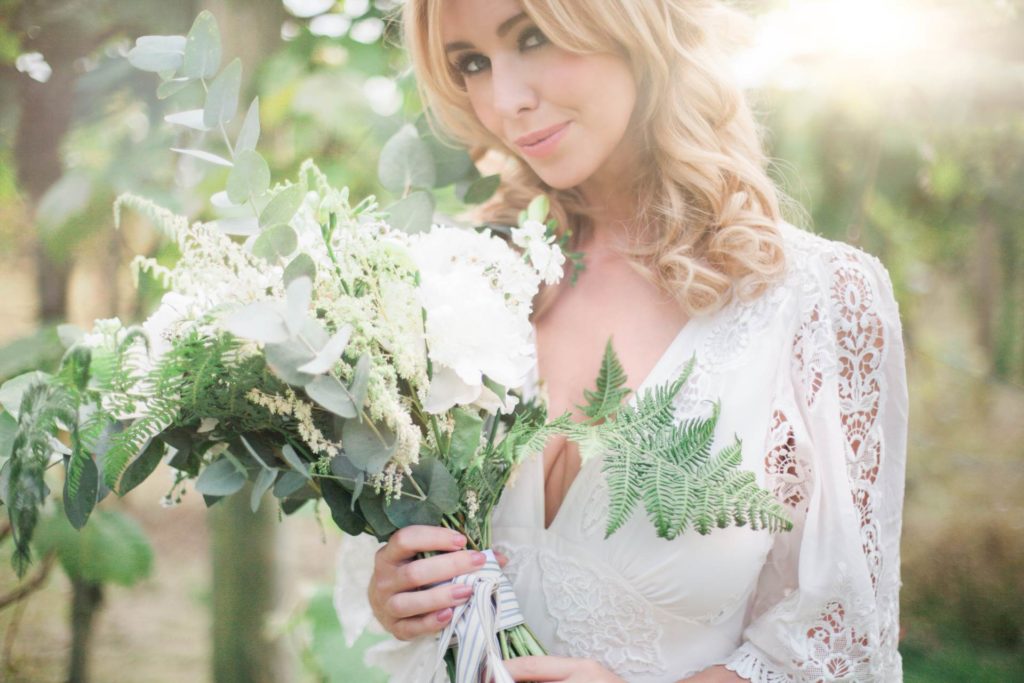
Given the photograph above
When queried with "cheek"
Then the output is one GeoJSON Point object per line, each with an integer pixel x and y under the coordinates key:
{"type": "Point", "coordinates": [481, 101]}
{"type": "Point", "coordinates": [600, 88]}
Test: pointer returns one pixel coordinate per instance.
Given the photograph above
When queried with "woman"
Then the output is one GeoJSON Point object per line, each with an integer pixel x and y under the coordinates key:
{"type": "Point", "coordinates": [625, 114]}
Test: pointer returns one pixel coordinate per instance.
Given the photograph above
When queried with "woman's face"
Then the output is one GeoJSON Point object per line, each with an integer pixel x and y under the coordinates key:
{"type": "Point", "coordinates": [564, 114]}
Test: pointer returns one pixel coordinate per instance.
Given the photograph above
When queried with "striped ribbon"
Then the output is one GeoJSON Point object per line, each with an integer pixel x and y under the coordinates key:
{"type": "Point", "coordinates": [475, 625]}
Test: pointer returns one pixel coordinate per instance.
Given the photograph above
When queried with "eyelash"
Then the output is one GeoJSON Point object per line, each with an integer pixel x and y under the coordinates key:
{"type": "Point", "coordinates": [464, 64]}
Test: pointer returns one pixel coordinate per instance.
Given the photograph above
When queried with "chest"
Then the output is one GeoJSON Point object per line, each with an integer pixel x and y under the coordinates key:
{"type": "Point", "coordinates": [614, 303]}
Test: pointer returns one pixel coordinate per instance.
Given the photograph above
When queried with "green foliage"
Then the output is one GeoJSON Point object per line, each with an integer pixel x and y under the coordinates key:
{"type": "Point", "coordinates": [611, 390]}
{"type": "Point", "coordinates": [326, 652]}
{"type": "Point", "coordinates": [112, 548]}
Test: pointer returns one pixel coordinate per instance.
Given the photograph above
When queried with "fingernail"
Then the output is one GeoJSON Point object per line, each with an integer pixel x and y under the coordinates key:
{"type": "Point", "coordinates": [444, 615]}
{"type": "Point", "coordinates": [479, 557]}
{"type": "Point", "coordinates": [458, 540]}
{"type": "Point", "coordinates": [461, 592]}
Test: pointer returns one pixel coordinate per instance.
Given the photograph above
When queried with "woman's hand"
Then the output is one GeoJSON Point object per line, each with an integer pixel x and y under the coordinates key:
{"type": "Point", "coordinates": [561, 669]}
{"type": "Point", "coordinates": [399, 593]}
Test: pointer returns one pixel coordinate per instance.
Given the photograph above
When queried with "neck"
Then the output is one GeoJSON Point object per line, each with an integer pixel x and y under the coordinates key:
{"type": "Point", "coordinates": [614, 210]}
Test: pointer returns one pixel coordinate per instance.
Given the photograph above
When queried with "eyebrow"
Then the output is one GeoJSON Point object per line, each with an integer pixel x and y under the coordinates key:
{"type": "Point", "coordinates": [503, 28]}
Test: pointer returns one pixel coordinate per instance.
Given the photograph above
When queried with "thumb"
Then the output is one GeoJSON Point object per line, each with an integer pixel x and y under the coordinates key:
{"type": "Point", "coordinates": [501, 558]}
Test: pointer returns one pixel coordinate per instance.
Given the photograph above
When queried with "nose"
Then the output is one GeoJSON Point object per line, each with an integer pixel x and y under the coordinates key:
{"type": "Point", "coordinates": [512, 87]}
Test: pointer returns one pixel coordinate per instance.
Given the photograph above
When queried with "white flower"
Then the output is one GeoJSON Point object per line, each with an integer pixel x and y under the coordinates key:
{"type": "Point", "coordinates": [477, 324]}
{"type": "Point", "coordinates": [545, 256]}
{"type": "Point", "coordinates": [162, 325]}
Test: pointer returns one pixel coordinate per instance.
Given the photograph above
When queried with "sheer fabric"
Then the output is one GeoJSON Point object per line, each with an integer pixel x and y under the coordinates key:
{"type": "Point", "coordinates": [811, 378]}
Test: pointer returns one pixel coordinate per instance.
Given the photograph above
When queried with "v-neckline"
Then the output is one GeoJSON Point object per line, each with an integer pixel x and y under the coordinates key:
{"type": "Point", "coordinates": [656, 370]}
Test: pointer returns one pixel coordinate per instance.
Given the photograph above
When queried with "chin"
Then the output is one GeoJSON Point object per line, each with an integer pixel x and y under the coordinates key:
{"type": "Point", "coordinates": [560, 176]}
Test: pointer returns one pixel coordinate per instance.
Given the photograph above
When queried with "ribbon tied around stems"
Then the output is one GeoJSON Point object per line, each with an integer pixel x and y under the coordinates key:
{"type": "Point", "coordinates": [475, 625]}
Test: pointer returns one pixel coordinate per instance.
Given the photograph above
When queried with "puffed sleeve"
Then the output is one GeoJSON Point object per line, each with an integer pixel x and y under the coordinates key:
{"type": "Point", "coordinates": [826, 606]}
{"type": "Point", "coordinates": [412, 661]}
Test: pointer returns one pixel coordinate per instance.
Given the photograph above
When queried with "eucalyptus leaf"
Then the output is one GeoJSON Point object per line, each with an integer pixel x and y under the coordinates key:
{"type": "Point", "coordinates": [288, 483]}
{"type": "Point", "coordinates": [442, 496]}
{"type": "Point", "coordinates": [371, 506]}
{"type": "Point", "coordinates": [78, 505]}
{"type": "Point", "coordinates": [112, 548]}
{"type": "Point", "coordinates": [293, 459]}
{"type": "Point", "coordinates": [481, 189]}
{"type": "Point", "coordinates": [171, 87]}
{"type": "Point", "coordinates": [146, 58]}
{"type": "Point", "coordinates": [298, 294]}
{"type": "Point", "coordinates": [283, 205]}
{"type": "Point", "coordinates": [368, 446]}
{"type": "Point", "coordinates": [414, 213]}
{"type": "Point", "coordinates": [264, 481]}
{"type": "Point", "coordinates": [260, 321]}
{"type": "Point", "coordinates": [450, 163]}
{"type": "Point", "coordinates": [300, 266]}
{"type": "Point", "coordinates": [193, 118]}
{"type": "Point", "coordinates": [249, 133]}
{"type": "Point", "coordinates": [330, 353]}
{"type": "Point", "coordinates": [360, 381]}
{"type": "Point", "coordinates": [162, 43]}
{"type": "Point", "coordinates": [222, 97]}
{"type": "Point", "coordinates": [277, 242]}
{"type": "Point", "coordinates": [343, 468]}
{"type": "Point", "coordinates": [242, 225]}
{"type": "Point", "coordinates": [202, 47]}
{"type": "Point", "coordinates": [340, 503]}
{"type": "Point", "coordinates": [8, 430]}
{"type": "Point", "coordinates": [285, 359]}
{"type": "Point", "coordinates": [142, 466]}
{"type": "Point", "coordinates": [221, 478]}
{"type": "Point", "coordinates": [249, 177]}
{"type": "Point", "coordinates": [405, 162]}
{"type": "Point", "coordinates": [330, 393]}
{"type": "Point", "coordinates": [203, 155]}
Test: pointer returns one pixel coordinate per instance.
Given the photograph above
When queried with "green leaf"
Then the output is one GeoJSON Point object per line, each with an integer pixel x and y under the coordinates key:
{"type": "Point", "coordinates": [8, 430]}
{"type": "Point", "coordinates": [249, 133]}
{"type": "Point", "coordinates": [283, 206]}
{"type": "Point", "coordinates": [141, 467]}
{"type": "Point", "coordinates": [157, 53]}
{"type": "Point", "coordinates": [465, 438]}
{"type": "Point", "coordinates": [172, 87]}
{"type": "Point", "coordinates": [222, 97]}
{"type": "Point", "coordinates": [367, 445]}
{"type": "Point", "coordinates": [329, 392]}
{"type": "Point", "coordinates": [288, 483]}
{"type": "Point", "coordinates": [372, 507]}
{"type": "Point", "coordinates": [405, 162]}
{"type": "Point", "coordinates": [203, 155]}
{"type": "Point", "coordinates": [111, 549]}
{"type": "Point", "coordinates": [277, 242]}
{"type": "Point", "coordinates": [450, 163]}
{"type": "Point", "coordinates": [293, 459]}
{"type": "Point", "coordinates": [414, 213]}
{"type": "Point", "coordinates": [611, 390]}
{"type": "Point", "coordinates": [222, 478]}
{"type": "Point", "coordinates": [442, 496]}
{"type": "Point", "coordinates": [538, 208]}
{"type": "Point", "coordinates": [202, 48]}
{"type": "Point", "coordinates": [481, 189]}
{"type": "Point", "coordinates": [249, 177]}
{"type": "Point", "coordinates": [260, 321]}
{"type": "Point", "coordinates": [331, 352]}
{"type": "Point", "coordinates": [193, 118]}
{"type": "Point", "coordinates": [360, 381]}
{"type": "Point", "coordinates": [13, 389]}
{"type": "Point", "coordinates": [340, 503]}
{"type": "Point", "coordinates": [264, 481]}
{"type": "Point", "coordinates": [300, 266]}
{"type": "Point", "coordinates": [286, 358]}
{"type": "Point", "coordinates": [78, 503]}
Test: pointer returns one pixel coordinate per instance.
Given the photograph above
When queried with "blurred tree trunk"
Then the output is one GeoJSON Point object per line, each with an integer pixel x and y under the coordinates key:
{"type": "Point", "coordinates": [246, 579]}
{"type": "Point", "coordinates": [85, 602]}
{"type": "Point", "coordinates": [245, 590]}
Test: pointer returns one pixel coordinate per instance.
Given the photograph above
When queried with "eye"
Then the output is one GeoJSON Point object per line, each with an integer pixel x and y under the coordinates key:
{"type": "Point", "coordinates": [471, 63]}
{"type": "Point", "coordinates": [531, 38]}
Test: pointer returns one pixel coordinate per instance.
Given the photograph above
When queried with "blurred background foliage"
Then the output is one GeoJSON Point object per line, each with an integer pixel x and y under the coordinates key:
{"type": "Point", "coordinates": [897, 126]}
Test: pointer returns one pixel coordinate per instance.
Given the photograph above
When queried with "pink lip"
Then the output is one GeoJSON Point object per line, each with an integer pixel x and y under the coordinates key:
{"type": "Point", "coordinates": [542, 142]}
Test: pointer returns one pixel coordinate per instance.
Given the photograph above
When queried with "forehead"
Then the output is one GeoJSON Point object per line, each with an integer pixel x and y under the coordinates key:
{"type": "Point", "coordinates": [475, 20]}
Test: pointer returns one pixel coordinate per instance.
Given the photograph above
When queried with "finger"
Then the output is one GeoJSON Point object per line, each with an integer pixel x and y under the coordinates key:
{"type": "Point", "coordinates": [539, 669]}
{"type": "Point", "coordinates": [407, 629]}
{"type": "Point", "coordinates": [431, 570]}
{"type": "Point", "coordinates": [418, 603]}
{"type": "Point", "coordinates": [406, 543]}
{"type": "Point", "coordinates": [501, 558]}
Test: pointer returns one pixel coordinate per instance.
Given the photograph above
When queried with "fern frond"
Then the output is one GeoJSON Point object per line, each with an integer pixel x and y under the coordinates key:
{"type": "Point", "coordinates": [168, 222]}
{"type": "Point", "coordinates": [604, 402]}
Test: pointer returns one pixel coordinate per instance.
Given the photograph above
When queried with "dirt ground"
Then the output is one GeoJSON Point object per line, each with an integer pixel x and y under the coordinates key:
{"type": "Point", "coordinates": [158, 630]}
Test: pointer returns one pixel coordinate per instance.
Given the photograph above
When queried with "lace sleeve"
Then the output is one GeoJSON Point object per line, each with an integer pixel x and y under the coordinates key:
{"type": "Point", "coordinates": [827, 602]}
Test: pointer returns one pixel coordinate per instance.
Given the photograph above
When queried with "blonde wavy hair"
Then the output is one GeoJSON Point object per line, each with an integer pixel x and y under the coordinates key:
{"type": "Point", "coordinates": [707, 230]}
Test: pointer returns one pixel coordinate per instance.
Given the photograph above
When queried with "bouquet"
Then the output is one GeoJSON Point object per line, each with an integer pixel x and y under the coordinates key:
{"type": "Point", "coordinates": [325, 353]}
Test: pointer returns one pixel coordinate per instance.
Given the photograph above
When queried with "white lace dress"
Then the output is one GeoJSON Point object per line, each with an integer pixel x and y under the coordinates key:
{"type": "Point", "coordinates": [811, 378]}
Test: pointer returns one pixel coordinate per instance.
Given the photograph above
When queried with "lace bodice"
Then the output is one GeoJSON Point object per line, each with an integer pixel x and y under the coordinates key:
{"type": "Point", "coordinates": [811, 378]}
